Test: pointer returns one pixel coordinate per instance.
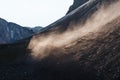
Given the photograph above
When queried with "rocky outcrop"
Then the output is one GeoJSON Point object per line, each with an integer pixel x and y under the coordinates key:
{"type": "Point", "coordinates": [76, 4]}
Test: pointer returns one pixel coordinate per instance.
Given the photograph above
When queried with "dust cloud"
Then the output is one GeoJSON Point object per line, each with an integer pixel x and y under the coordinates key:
{"type": "Point", "coordinates": [41, 46]}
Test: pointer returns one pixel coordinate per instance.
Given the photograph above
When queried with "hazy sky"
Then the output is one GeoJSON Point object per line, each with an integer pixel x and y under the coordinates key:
{"type": "Point", "coordinates": [33, 12]}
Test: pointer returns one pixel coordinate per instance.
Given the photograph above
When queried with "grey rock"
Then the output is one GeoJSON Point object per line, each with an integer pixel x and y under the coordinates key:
{"type": "Point", "coordinates": [11, 32]}
{"type": "Point", "coordinates": [76, 4]}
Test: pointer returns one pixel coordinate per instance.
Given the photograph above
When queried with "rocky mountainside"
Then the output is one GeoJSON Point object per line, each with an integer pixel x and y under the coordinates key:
{"type": "Point", "coordinates": [11, 32]}
{"type": "Point", "coordinates": [83, 45]}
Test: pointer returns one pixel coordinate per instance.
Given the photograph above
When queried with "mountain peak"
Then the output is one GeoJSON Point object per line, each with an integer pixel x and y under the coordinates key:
{"type": "Point", "coordinates": [76, 4]}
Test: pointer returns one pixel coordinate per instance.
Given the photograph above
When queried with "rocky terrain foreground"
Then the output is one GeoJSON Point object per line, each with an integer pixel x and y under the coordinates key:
{"type": "Point", "coordinates": [83, 45]}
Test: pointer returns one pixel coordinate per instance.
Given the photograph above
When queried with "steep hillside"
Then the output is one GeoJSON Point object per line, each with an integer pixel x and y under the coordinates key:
{"type": "Point", "coordinates": [83, 45]}
{"type": "Point", "coordinates": [95, 55]}
{"type": "Point", "coordinates": [83, 48]}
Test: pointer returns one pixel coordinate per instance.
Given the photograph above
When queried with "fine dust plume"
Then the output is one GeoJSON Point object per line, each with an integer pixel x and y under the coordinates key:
{"type": "Point", "coordinates": [41, 46]}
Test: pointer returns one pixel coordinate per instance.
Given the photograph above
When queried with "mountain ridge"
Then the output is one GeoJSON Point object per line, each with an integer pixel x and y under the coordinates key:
{"type": "Point", "coordinates": [11, 32]}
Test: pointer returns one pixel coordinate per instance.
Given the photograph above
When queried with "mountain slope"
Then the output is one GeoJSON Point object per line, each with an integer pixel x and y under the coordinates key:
{"type": "Point", "coordinates": [83, 45]}
{"type": "Point", "coordinates": [11, 32]}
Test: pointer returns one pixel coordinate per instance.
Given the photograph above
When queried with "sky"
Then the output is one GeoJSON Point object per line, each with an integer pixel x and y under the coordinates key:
{"type": "Point", "coordinates": [31, 13]}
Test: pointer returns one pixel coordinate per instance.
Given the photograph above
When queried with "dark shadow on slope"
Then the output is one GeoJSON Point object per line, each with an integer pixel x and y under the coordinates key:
{"type": "Point", "coordinates": [11, 52]}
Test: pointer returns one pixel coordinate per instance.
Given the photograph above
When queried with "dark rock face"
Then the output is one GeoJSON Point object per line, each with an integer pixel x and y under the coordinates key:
{"type": "Point", "coordinates": [76, 4]}
{"type": "Point", "coordinates": [11, 32]}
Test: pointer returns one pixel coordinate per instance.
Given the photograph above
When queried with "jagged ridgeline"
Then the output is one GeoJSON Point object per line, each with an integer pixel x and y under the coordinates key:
{"type": "Point", "coordinates": [83, 45]}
